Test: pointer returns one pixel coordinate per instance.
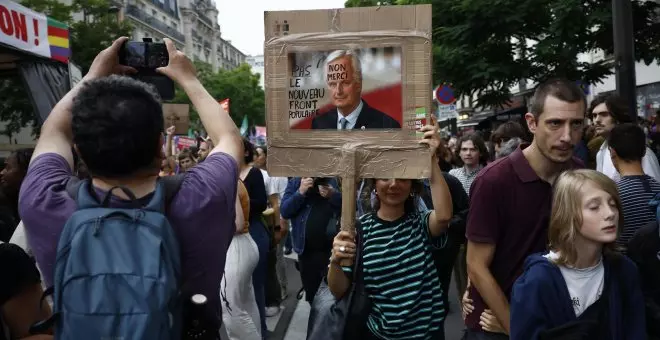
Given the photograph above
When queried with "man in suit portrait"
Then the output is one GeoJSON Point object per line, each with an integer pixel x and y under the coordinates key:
{"type": "Point", "coordinates": [343, 74]}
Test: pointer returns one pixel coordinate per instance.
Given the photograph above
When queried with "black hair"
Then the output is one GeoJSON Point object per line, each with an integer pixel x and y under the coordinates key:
{"type": "Point", "coordinates": [615, 106]}
{"type": "Point", "coordinates": [117, 126]}
{"type": "Point", "coordinates": [23, 157]}
{"type": "Point", "coordinates": [478, 142]}
{"type": "Point", "coordinates": [628, 141]}
{"type": "Point", "coordinates": [562, 89]}
{"type": "Point", "coordinates": [248, 151]}
{"type": "Point", "coordinates": [410, 206]}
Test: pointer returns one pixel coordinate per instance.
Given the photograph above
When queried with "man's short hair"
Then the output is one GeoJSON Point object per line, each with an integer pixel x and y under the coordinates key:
{"type": "Point", "coordinates": [355, 62]}
{"type": "Point", "coordinates": [117, 126]}
{"type": "Point", "coordinates": [562, 89]}
{"type": "Point", "coordinates": [615, 106]}
{"type": "Point", "coordinates": [628, 141]}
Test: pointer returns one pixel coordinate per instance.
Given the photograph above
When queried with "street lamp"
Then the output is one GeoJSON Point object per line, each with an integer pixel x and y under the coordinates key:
{"type": "Point", "coordinates": [624, 54]}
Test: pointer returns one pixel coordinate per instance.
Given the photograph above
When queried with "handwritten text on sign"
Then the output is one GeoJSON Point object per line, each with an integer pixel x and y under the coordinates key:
{"type": "Point", "coordinates": [24, 29]}
{"type": "Point", "coordinates": [303, 103]}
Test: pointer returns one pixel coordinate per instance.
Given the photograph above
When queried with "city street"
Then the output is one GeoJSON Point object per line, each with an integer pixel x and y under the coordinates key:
{"type": "Point", "coordinates": [291, 323]}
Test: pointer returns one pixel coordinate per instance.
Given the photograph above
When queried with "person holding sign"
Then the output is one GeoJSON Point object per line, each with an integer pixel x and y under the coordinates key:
{"type": "Point", "coordinates": [398, 269]}
{"type": "Point", "coordinates": [343, 74]}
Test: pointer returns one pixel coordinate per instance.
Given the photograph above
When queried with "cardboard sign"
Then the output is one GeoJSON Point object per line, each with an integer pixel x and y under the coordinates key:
{"type": "Point", "coordinates": [370, 67]}
{"type": "Point", "coordinates": [177, 115]}
{"type": "Point", "coordinates": [33, 32]}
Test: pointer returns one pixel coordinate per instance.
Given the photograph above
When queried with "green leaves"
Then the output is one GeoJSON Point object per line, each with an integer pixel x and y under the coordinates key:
{"type": "Point", "coordinates": [240, 85]}
{"type": "Point", "coordinates": [486, 46]}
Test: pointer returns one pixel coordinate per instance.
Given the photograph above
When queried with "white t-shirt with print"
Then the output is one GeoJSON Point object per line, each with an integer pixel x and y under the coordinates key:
{"type": "Point", "coordinates": [584, 285]}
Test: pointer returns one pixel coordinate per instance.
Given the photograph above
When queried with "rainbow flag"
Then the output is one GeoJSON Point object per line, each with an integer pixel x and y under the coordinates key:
{"type": "Point", "coordinates": [58, 38]}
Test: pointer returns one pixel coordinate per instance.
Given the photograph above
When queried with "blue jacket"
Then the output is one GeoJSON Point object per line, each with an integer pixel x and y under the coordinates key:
{"type": "Point", "coordinates": [540, 300]}
{"type": "Point", "coordinates": [296, 207]}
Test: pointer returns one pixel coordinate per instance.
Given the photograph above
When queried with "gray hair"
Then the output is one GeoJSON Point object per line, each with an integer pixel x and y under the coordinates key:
{"type": "Point", "coordinates": [509, 147]}
{"type": "Point", "coordinates": [355, 62]}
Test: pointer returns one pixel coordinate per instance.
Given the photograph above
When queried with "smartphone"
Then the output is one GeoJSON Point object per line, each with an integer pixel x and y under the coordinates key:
{"type": "Point", "coordinates": [146, 57]}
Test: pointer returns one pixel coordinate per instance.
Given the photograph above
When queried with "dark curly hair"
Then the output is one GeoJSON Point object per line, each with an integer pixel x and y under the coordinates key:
{"type": "Point", "coordinates": [117, 126]}
{"type": "Point", "coordinates": [615, 105]}
{"type": "Point", "coordinates": [478, 142]}
{"type": "Point", "coordinates": [23, 157]}
{"type": "Point", "coordinates": [249, 151]}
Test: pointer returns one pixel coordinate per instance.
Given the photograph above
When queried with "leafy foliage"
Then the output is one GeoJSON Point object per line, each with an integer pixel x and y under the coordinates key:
{"type": "Point", "coordinates": [97, 29]}
{"type": "Point", "coordinates": [484, 46]}
{"type": "Point", "coordinates": [15, 107]}
{"type": "Point", "coordinates": [240, 85]}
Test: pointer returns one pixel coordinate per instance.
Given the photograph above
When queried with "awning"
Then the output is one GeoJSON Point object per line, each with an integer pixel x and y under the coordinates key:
{"type": "Point", "coordinates": [32, 32]}
{"type": "Point", "coordinates": [475, 119]}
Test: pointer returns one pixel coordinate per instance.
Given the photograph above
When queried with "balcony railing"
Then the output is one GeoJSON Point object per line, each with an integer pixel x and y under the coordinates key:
{"type": "Point", "coordinates": [204, 18]}
{"type": "Point", "coordinates": [135, 12]}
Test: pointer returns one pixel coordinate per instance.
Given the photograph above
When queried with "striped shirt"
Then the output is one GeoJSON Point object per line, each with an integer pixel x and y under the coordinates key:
{"type": "Point", "coordinates": [400, 277]}
{"type": "Point", "coordinates": [635, 193]}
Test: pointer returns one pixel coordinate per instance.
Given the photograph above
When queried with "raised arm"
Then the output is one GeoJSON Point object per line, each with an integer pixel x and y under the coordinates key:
{"type": "Point", "coordinates": [217, 122]}
{"type": "Point", "coordinates": [442, 203]}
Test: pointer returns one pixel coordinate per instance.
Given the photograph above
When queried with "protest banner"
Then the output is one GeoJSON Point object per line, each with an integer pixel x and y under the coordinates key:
{"type": "Point", "coordinates": [183, 142]}
{"type": "Point", "coordinates": [177, 115]}
{"type": "Point", "coordinates": [346, 90]}
{"type": "Point", "coordinates": [33, 32]}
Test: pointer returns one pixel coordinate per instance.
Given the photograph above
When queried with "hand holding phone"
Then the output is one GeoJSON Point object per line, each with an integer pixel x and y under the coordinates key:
{"type": "Point", "coordinates": [147, 57]}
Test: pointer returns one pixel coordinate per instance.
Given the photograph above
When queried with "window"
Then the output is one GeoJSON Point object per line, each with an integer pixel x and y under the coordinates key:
{"type": "Point", "coordinates": [164, 18]}
{"type": "Point", "coordinates": [173, 5]}
{"type": "Point", "coordinates": [153, 12]}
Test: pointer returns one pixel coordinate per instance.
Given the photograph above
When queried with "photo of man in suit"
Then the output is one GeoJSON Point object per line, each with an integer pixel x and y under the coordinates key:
{"type": "Point", "coordinates": [343, 74]}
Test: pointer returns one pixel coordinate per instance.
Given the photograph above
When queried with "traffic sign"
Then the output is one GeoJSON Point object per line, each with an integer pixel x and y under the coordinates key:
{"type": "Point", "coordinates": [445, 95]}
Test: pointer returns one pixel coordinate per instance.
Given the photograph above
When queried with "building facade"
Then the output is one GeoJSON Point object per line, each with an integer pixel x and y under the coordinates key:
{"type": "Point", "coordinates": [191, 24]}
{"type": "Point", "coordinates": [257, 65]}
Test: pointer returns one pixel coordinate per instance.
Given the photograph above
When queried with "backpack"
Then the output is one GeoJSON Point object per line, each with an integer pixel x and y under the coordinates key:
{"type": "Point", "coordinates": [117, 271]}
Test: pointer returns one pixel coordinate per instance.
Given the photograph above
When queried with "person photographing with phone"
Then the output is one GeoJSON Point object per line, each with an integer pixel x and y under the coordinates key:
{"type": "Point", "coordinates": [181, 225]}
{"type": "Point", "coordinates": [313, 205]}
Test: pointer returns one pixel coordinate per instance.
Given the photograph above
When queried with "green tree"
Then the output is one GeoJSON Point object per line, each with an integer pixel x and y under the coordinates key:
{"type": "Point", "coordinates": [87, 38]}
{"type": "Point", "coordinates": [240, 85]}
{"type": "Point", "coordinates": [484, 46]}
{"type": "Point", "coordinates": [15, 107]}
{"type": "Point", "coordinates": [98, 29]}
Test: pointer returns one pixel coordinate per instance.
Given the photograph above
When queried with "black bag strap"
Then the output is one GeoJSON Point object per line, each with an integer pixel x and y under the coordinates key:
{"type": "Point", "coordinates": [172, 187]}
{"type": "Point", "coordinates": [357, 263]}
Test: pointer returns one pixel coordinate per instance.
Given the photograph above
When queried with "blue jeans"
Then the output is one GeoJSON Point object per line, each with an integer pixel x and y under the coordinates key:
{"type": "Point", "coordinates": [262, 239]}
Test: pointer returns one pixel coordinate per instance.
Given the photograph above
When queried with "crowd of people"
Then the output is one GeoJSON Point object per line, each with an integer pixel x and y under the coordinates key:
{"type": "Point", "coordinates": [550, 230]}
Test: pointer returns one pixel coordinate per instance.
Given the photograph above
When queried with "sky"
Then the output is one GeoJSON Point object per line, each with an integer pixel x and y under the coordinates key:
{"type": "Point", "coordinates": [242, 21]}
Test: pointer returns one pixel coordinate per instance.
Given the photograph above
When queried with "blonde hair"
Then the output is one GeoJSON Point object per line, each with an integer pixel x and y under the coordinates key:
{"type": "Point", "coordinates": [566, 217]}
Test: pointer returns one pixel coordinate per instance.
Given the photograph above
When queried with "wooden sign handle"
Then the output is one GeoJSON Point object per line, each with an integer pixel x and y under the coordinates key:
{"type": "Point", "coordinates": [348, 188]}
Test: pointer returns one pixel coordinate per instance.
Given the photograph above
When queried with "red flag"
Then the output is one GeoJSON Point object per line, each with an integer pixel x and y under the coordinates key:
{"type": "Point", "coordinates": [225, 104]}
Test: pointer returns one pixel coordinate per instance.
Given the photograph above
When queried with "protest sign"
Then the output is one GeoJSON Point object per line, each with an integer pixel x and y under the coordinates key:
{"type": "Point", "coordinates": [33, 32]}
{"type": "Point", "coordinates": [346, 90]}
{"type": "Point", "coordinates": [177, 115]}
{"type": "Point", "coordinates": [323, 84]}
